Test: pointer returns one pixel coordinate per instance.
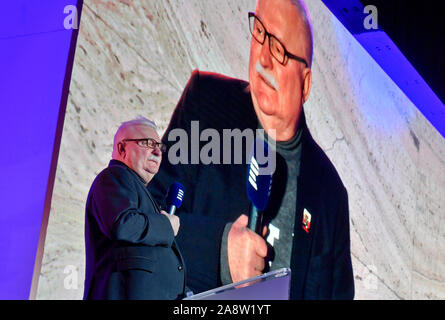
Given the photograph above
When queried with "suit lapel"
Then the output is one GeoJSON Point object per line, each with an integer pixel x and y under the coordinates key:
{"type": "Point", "coordinates": [307, 197]}
{"type": "Point", "coordinates": [174, 245]}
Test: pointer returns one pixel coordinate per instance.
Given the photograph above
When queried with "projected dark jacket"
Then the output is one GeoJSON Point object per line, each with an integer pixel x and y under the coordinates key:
{"type": "Point", "coordinates": [130, 247]}
{"type": "Point", "coordinates": [215, 194]}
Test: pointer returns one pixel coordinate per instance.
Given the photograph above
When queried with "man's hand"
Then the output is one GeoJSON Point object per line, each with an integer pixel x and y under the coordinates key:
{"type": "Point", "coordinates": [174, 221]}
{"type": "Point", "coordinates": [246, 251]}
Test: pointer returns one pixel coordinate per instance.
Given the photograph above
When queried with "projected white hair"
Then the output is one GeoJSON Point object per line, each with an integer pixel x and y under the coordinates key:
{"type": "Point", "coordinates": [302, 9]}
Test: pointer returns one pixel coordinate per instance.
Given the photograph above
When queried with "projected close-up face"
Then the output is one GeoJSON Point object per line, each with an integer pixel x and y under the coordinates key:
{"type": "Point", "coordinates": [278, 83]}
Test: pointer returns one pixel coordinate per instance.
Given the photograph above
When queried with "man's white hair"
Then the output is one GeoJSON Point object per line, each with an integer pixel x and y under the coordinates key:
{"type": "Point", "coordinates": [138, 121]}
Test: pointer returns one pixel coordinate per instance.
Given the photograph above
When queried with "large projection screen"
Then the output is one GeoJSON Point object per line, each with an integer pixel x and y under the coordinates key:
{"type": "Point", "coordinates": [135, 57]}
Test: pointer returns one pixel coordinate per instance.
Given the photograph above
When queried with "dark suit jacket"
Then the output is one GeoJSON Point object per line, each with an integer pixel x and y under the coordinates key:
{"type": "Point", "coordinates": [216, 194]}
{"type": "Point", "coordinates": [130, 247]}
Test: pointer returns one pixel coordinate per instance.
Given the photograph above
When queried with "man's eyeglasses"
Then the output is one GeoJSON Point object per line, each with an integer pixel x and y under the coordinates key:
{"type": "Point", "coordinates": [148, 143]}
{"type": "Point", "coordinates": [276, 48]}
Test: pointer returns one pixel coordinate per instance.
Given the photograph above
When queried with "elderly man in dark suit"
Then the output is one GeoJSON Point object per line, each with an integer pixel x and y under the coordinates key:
{"type": "Point", "coordinates": [307, 215]}
{"type": "Point", "coordinates": [131, 251]}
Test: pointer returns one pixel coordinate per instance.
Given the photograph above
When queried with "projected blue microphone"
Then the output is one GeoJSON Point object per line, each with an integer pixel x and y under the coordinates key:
{"type": "Point", "coordinates": [259, 182]}
{"type": "Point", "coordinates": [175, 195]}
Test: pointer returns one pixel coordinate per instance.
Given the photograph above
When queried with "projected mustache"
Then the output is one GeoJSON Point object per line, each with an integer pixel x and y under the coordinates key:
{"type": "Point", "coordinates": [155, 158]}
{"type": "Point", "coordinates": [267, 76]}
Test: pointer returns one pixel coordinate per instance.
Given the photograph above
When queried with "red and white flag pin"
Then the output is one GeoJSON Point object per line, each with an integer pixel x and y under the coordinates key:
{"type": "Point", "coordinates": [306, 220]}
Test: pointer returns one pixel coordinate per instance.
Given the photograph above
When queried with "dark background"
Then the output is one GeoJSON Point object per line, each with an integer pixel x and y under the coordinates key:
{"type": "Point", "coordinates": [417, 28]}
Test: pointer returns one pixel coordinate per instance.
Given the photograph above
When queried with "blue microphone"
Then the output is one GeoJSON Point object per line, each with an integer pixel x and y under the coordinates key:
{"type": "Point", "coordinates": [259, 183]}
{"type": "Point", "coordinates": [175, 195]}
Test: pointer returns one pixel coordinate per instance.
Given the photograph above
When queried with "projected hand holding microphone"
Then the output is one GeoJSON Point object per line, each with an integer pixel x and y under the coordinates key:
{"type": "Point", "coordinates": [246, 247]}
{"type": "Point", "coordinates": [174, 197]}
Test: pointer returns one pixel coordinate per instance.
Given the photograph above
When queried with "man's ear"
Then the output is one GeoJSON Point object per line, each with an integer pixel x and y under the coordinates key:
{"type": "Point", "coordinates": [120, 148]}
{"type": "Point", "coordinates": [307, 83]}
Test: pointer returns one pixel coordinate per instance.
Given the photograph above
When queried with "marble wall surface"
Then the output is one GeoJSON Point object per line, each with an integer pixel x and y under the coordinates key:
{"type": "Point", "coordinates": [135, 57]}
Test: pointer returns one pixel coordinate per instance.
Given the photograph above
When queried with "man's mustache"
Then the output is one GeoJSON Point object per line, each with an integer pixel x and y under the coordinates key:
{"type": "Point", "coordinates": [155, 158]}
{"type": "Point", "coordinates": [267, 76]}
